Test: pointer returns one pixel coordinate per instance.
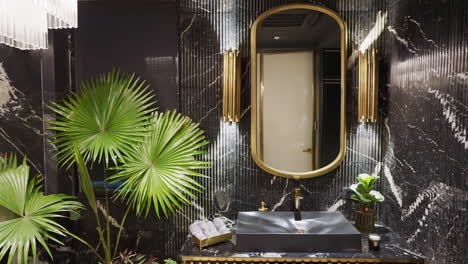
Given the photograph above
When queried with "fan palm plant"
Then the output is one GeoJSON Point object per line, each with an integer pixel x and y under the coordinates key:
{"type": "Point", "coordinates": [112, 121]}
{"type": "Point", "coordinates": [104, 121]}
{"type": "Point", "coordinates": [32, 214]}
{"type": "Point", "coordinates": [157, 173]}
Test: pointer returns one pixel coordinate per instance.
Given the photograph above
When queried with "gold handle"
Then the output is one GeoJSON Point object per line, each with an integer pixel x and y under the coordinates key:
{"type": "Point", "coordinates": [263, 208]}
{"type": "Point", "coordinates": [307, 150]}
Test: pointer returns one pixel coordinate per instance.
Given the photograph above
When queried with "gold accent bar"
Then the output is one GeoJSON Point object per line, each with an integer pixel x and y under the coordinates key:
{"type": "Point", "coordinates": [357, 260]}
{"type": "Point", "coordinates": [368, 86]}
{"type": "Point", "coordinates": [211, 240]}
{"type": "Point", "coordinates": [231, 86]}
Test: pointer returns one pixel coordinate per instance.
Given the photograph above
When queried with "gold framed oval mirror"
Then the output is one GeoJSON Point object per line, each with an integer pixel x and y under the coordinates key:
{"type": "Point", "coordinates": [298, 74]}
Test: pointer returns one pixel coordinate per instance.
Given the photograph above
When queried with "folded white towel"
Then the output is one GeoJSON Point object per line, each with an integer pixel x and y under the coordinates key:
{"type": "Point", "coordinates": [204, 226]}
{"type": "Point", "coordinates": [212, 234]}
{"type": "Point", "coordinates": [200, 236]}
{"type": "Point", "coordinates": [224, 230]}
{"type": "Point", "coordinates": [211, 227]}
{"type": "Point", "coordinates": [219, 223]}
{"type": "Point", "coordinates": [195, 228]}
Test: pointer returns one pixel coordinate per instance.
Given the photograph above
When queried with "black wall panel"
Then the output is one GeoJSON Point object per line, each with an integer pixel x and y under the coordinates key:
{"type": "Point", "coordinates": [418, 146]}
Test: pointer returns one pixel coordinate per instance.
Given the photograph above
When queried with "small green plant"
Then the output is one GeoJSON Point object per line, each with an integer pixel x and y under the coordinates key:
{"type": "Point", "coordinates": [170, 261]}
{"type": "Point", "coordinates": [364, 192]}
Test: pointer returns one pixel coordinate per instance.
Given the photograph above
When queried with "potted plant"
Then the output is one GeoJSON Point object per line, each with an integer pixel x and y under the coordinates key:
{"type": "Point", "coordinates": [366, 195]}
{"type": "Point", "coordinates": [112, 121]}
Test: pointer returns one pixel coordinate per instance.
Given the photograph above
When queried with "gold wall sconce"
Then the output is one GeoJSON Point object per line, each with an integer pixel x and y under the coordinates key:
{"type": "Point", "coordinates": [231, 86]}
{"type": "Point", "coordinates": [368, 86]}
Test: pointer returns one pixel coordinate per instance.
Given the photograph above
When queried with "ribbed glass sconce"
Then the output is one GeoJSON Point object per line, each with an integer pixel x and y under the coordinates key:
{"type": "Point", "coordinates": [368, 86]}
{"type": "Point", "coordinates": [24, 23]}
{"type": "Point", "coordinates": [231, 86]}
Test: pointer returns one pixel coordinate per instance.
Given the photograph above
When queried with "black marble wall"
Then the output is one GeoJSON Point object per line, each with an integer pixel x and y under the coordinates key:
{"type": "Point", "coordinates": [424, 149]}
{"type": "Point", "coordinates": [418, 146]}
{"type": "Point", "coordinates": [27, 84]}
{"type": "Point", "coordinates": [207, 28]}
{"type": "Point", "coordinates": [21, 108]}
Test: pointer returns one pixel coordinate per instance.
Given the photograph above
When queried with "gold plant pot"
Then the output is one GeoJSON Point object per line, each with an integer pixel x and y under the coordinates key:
{"type": "Point", "coordinates": [365, 220]}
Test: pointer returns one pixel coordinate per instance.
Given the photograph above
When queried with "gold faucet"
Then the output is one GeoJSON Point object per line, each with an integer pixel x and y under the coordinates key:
{"type": "Point", "coordinates": [263, 208]}
{"type": "Point", "coordinates": [298, 204]}
{"type": "Point", "coordinates": [297, 198]}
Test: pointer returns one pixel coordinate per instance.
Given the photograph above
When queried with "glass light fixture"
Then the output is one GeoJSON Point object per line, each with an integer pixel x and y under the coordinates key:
{"type": "Point", "coordinates": [24, 23]}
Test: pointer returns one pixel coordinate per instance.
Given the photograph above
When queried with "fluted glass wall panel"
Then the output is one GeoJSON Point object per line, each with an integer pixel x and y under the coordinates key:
{"type": "Point", "coordinates": [424, 149]}
{"type": "Point", "coordinates": [236, 183]}
{"type": "Point", "coordinates": [24, 23]}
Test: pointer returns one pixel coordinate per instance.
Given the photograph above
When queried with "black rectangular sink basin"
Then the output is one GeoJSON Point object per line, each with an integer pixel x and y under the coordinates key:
{"type": "Point", "coordinates": [279, 232]}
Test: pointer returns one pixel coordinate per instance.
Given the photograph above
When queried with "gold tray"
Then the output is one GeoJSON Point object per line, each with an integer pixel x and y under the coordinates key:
{"type": "Point", "coordinates": [211, 240]}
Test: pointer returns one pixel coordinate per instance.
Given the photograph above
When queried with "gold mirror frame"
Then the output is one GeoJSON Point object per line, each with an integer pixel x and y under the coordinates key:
{"type": "Point", "coordinates": [254, 111]}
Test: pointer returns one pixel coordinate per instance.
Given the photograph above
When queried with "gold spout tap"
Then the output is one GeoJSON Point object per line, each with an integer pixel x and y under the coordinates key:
{"type": "Point", "coordinates": [263, 208]}
{"type": "Point", "coordinates": [297, 198]}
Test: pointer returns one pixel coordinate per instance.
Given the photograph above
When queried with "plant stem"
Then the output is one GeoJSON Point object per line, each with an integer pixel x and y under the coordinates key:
{"type": "Point", "coordinates": [120, 231]}
{"type": "Point", "coordinates": [104, 244]}
{"type": "Point", "coordinates": [101, 238]}
{"type": "Point", "coordinates": [108, 229]}
{"type": "Point", "coordinates": [88, 189]}
{"type": "Point", "coordinates": [85, 243]}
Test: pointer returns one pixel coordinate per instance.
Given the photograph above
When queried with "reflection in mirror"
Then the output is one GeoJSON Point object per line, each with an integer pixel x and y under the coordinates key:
{"type": "Point", "coordinates": [298, 91]}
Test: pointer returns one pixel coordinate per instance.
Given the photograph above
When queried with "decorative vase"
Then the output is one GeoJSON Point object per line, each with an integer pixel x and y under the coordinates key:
{"type": "Point", "coordinates": [365, 220]}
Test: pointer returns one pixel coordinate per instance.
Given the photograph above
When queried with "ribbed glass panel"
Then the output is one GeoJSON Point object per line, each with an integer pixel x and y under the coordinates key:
{"type": "Point", "coordinates": [60, 13]}
{"type": "Point", "coordinates": [425, 141]}
{"type": "Point", "coordinates": [24, 23]}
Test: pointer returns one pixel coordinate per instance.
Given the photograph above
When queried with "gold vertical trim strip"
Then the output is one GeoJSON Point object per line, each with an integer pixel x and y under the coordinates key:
{"type": "Point", "coordinates": [238, 87]}
{"type": "Point", "coordinates": [231, 86]}
{"type": "Point", "coordinates": [230, 90]}
{"type": "Point", "coordinates": [260, 113]}
{"type": "Point", "coordinates": [261, 117]}
{"type": "Point", "coordinates": [225, 86]}
{"type": "Point", "coordinates": [375, 108]}
{"type": "Point", "coordinates": [368, 86]}
{"type": "Point", "coordinates": [361, 86]}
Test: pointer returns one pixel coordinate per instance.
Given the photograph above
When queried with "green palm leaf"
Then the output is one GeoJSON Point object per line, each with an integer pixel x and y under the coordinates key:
{"type": "Point", "coordinates": [33, 213]}
{"type": "Point", "coordinates": [104, 120]}
{"type": "Point", "coordinates": [158, 172]}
